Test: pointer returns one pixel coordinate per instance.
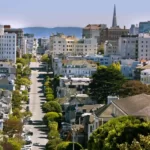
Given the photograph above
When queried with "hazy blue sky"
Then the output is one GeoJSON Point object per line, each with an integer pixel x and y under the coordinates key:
{"type": "Point", "coordinates": [52, 13]}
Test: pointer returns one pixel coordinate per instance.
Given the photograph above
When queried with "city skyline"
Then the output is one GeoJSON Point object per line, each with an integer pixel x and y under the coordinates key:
{"type": "Point", "coordinates": [56, 13]}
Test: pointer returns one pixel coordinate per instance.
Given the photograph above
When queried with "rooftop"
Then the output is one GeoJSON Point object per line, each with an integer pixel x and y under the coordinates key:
{"type": "Point", "coordinates": [138, 105]}
{"type": "Point", "coordinates": [80, 63]}
{"type": "Point", "coordinates": [93, 26]}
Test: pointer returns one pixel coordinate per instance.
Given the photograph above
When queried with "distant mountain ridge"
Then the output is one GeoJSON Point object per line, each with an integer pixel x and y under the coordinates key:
{"type": "Point", "coordinates": [46, 32]}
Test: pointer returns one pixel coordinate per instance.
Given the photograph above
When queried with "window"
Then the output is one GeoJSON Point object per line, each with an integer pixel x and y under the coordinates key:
{"type": "Point", "coordinates": [91, 128]}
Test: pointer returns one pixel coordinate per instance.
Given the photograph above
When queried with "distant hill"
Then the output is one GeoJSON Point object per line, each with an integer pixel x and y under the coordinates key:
{"type": "Point", "coordinates": [46, 32]}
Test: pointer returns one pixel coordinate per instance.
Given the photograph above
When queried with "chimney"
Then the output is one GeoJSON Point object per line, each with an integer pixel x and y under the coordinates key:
{"type": "Point", "coordinates": [111, 98]}
{"type": "Point", "coordinates": [124, 27]}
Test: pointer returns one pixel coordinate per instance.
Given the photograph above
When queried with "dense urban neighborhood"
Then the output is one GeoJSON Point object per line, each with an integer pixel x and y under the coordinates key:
{"type": "Point", "coordinates": [66, 93]}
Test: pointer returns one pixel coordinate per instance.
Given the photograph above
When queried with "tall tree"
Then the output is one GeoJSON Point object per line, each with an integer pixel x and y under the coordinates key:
{"type": "Point", "coordinates": [118, 131]}
{"type": "Point", "coordinates": [106, 81]}
{"type": "Point", "coordinates": [12, 126]}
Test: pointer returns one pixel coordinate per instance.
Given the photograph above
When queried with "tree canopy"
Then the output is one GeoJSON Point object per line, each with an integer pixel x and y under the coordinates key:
{"type": "Point", "coordinates": [45, 58]}
{"type": "Point", "coordinates": [52, 116]}
{"type": "Point", "coordinates": [118, 131]}
{"type": "Point", "coordinates": [13, 125]}
{"type": "Point", "coordinates": [106, 81]}
{"type": "Point", "coordinates": [142, 144]}
{"type": "Point", "coordinates": [16, 99]}
{"type": "Point", "coordinates": [68, 146]}
{"type": "Point", "coordinates": [133, 87]}
{"type": "Point", "coordinates": [52, 106]}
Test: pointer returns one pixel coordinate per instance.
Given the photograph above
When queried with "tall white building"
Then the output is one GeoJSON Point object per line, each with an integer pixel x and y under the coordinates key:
{"type": "Point", "coordinates": [31, 44]}
{"type": "Point", "coordinates": [128, 46]}
{"type": "Point", "coordinates": [61, 44]}
{"type": "Point", "coordinates": [45, 43]}
{"type": "Point", "coordinates": [7, 45]}
{"type": "Point", "coordinates": [144, 47]}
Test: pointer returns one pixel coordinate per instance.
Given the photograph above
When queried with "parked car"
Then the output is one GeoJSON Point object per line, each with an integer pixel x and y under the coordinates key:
{"type": "Point", "coordinates": [36, 144]}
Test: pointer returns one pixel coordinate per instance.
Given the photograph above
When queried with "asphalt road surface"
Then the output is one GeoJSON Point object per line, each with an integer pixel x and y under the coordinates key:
{"type": "Point", "coordinates": [36, 99]}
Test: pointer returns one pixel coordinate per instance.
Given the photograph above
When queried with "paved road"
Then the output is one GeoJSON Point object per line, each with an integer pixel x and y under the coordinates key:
{"type": "Point", "coordinates": [36, 100]}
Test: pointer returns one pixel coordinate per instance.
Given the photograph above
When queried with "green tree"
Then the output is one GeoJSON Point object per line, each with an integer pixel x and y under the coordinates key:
{"type": "Point", "coordinates": [68, 146]}
{"type": "Point", "coordinates": [142, 144]}
{"type": "Point", "coordinates": [52, 116]}
{"type": "Point", "coordinates": [106, 81]}
{"type": "Point", "coordinates": [52, 106]}
{"type": "Point", "coordinates": [118, 131]}
{"type": "Point", "coordinates": [53, 134]}
{"type": "Point", "coordinates": [26, 71]}
{"type": "Point", "coordinates": [51, 144]}
{"type": "Point", "coordinates": [22, 61]}
{"type": "Point", "coordinates": [48, 90]}
{"type": "Point", "coordinates": [133, 87]}
{"type": "Point", "coordinates": [45, 58]}
{"type": "Point", "coordinates": [12, 126]}
{"type": "Point", "coordinates": [53, 125]}
{"type": "Point", "coordinates": [12, 144]}
{"type": "Point", "coordinates": [16, 99]}
{"type": "Point", "coordinates": [49, 97]}
{"type": "Point", "coordinates": [23, 81]}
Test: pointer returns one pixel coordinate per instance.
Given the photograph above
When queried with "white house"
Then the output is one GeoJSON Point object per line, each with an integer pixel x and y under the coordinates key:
{"type": "Point", "coordinates": [74, 68]}
{"type": "Point", "coordinates": [7, 45]}
{"type": "Point", "coordinates": [145, 76]}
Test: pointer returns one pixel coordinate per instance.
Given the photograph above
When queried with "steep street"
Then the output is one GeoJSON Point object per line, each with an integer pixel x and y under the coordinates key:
{"type": "Point", "coordinates": [36, 99]}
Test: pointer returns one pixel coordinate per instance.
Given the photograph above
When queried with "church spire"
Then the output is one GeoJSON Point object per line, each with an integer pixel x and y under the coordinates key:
{"type": "Point", "coordinates": [114, 22]}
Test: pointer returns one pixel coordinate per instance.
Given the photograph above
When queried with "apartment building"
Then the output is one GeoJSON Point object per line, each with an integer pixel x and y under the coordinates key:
{"type": "Point", "coordinates": [144, 27]}
{"type": "Point", "coordinates": [7, 45]}
{"type": "Point", "coordinates": [31, 43]}
{"type": "Point", "coordinates": [128, 47]}
{"type": "Point", "coordinates": [111, 48]}
{"type": "Point", "coordinates": [93, 31]}
{"type": "Point", "coordinates": [144, 46]}
{"type": "Point", "coordinates": [70, 45]}
{"type": "Point", "coordinates": [19, 36]}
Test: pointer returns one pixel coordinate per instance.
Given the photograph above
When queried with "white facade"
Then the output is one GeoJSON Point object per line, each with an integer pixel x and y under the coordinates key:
{"type": "Point", "coordinates": [145, 76]}
{"type": "Point", "coordinates": [111, 48]}
{"type": "Point", "coordinates": [128, 47]}
{"type": "Point", "coordinates": [32, 45]}
{"type": "Point", "coordinates": [24, 46]}
{"type": "Point", "coordinates": [144, 46]}
{"type": "Point", "coordinates": [73, 68]}
{"type": "Point", "coordinates": [45, 43]}
{"type": "Point", "coordinates": [7, 45]}
{"type": "Point", "coordinates": [61, 44]}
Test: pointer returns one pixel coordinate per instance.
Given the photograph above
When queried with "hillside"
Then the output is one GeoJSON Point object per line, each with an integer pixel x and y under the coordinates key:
{"type": "Point", "coordinates": [46, 32]}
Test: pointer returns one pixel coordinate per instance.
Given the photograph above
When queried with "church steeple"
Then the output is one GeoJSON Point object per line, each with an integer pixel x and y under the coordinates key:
{"type": "Point", "coordinates": [114, 22]}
